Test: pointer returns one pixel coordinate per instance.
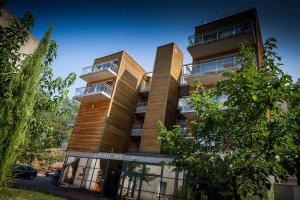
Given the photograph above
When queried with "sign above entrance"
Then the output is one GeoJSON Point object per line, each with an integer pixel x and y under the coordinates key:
{"type": "Point", "coordinates": [122, 157]}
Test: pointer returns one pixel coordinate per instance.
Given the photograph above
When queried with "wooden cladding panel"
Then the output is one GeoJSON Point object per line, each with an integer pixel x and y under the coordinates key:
{"type": "Point", "coordinates": [116, 136]}
{"type": "Point", "coordinates": [168, 64]}
{"type": "Point", "coordinates": [89, 127]}
{"type": "Point", "coordinates": [106, 126]}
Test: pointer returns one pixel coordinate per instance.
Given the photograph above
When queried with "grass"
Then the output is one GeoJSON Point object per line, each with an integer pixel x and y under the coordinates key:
{"type": "Point", "coordinates": [20, 194]}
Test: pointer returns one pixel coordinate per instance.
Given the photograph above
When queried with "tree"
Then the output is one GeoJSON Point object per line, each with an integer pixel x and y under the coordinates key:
{"type": "Point", "coordinates": [19, 86]}
{"type": "Point", "coordinates": [48, 129]}
{"type": "Point", "coordinates": [239, 144]}
{"type": "Point", "coordinates": [31, 99]}
{"type": "Point", "coordinates": [294, 108]}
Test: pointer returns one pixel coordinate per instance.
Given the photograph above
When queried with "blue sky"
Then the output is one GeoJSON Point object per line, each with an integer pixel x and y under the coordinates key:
{"type": "Point", "coordinates": [85, 30]}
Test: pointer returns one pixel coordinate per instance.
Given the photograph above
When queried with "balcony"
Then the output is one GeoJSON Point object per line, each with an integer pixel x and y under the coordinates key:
{"type": "Point", "coordinates": [208, 72]}
{"type": "Point", "coordinates": [145, 87]}
{"type": "Point", "coordinates": [220, 41]}
{"type": "Point", "coordinates": [190, 113]}
{"type": "Point", "coordinates": [137, 130]}
{"type": "Point", "coordinates": [141, 108]}
{"type": "Point", "coordinates": [186, 109]}
{"type": "Point", "coordinates": [95, 93]}
{"type": "Point", "coordinates": [99, 72]}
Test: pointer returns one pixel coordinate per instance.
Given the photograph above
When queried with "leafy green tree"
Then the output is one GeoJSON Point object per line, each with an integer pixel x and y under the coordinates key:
{"type": "Point", "coordinates": [294, 109]}
{"type": "Point", "coordinates": [48, 129]}
{"type": "Point", "coordinates": [238, 145]}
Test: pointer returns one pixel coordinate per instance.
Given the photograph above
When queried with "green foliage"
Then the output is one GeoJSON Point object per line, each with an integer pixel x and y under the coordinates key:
{"type": "Point", "coordinates": [50, 157]}
{"type": "Point", "coordinates": [294, 108]}
{"type": "Point", "coordinates": [48, 128]}
{"type": "Point", "coordinates": [21, 79]}
{"type": "Point", "coordinates": [32, 102]}
{"type": "Point", "coordinates": [252, 132]}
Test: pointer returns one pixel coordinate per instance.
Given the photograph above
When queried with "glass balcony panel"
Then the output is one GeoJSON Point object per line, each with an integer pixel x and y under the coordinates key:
{"type": "Point", "coordinates": [185, 106]}
{"type": "Point", "coordinates": [211, 66]}
{"type": "Point", "coordinates": [136, 131]}
{"type": "Point", "coordinates": [207, 67]}
{"type": "Point", "coordinates": [219, 34]}
{"type": "Point", "coordinates": [141, 108]}
{"type": "Point", "coordinates": [103, 90]}
{"type": "Point", "coordinates": [100, 67]}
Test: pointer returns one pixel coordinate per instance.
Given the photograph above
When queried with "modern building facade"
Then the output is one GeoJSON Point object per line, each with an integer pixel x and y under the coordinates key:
{"type": "Point", "coordinates": [114, 146]}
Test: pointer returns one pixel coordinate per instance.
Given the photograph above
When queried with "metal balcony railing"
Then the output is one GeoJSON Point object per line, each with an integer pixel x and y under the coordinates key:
{"type": "Point", "coordinates": [99, 88]}
{"type": "Point", "coordinates": [211, 66]}
{"type": "Point", "coordinates": [141, 107]}
{"type": "Point", "coordinates": [219, 34]}
{"type": "Point", "coordinates": [136, 131]}
{"type": "Point", "coordinates": [100, 67]}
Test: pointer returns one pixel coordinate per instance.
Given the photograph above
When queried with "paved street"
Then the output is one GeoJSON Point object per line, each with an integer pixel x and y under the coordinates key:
{"type": "Point", "coordinates": [45, 184]}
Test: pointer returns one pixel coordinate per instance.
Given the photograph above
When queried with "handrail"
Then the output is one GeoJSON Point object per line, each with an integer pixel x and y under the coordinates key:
{"type": "Point", "coordinates": [100, 67]}
{"type": "Point", "coordinates": [211, 66]}
{"type": "Point", "coordinates": [141, 107]}
{"type": "Point", "coordinates": [103, 87]}
{"type": "Point", "coordinates": [137, 132]}
{"type": "Point", "coordinates": [219, 34]}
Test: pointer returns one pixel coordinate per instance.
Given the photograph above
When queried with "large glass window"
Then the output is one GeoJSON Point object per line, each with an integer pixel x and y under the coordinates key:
{"type": "Point", "coordinates": [225, 32]}
{"type": "Point", "coordinates": [209, 37]}
{"type": "Point", "coordinates": [151, 183]}
{"type": "Point", "coordinates": [219, 34]}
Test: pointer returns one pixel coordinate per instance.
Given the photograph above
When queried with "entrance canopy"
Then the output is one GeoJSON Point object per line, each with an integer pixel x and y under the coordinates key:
{"type": "Point", "coordinates": [143, 158]}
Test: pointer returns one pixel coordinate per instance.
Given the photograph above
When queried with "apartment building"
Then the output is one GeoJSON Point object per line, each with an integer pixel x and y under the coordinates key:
{"type": "Point", "coordinates": [114, 148]}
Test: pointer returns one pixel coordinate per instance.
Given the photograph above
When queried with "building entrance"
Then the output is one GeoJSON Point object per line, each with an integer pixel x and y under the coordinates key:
{"type": "Point", "coordinates": [121, 176]}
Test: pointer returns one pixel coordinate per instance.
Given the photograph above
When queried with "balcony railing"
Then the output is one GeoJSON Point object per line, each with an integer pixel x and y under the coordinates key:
{"type": "Point", "coordinates": [185, 106]}
{"type": "Point", "coordinates": [145, 87]}
{"type": "Point", "coordinates": [141, 108]}
{"type": "Point", "coordinates": [101, 67]}
{"type": "Point", "coordinates": [211, 66]}
{"type": "Point", "coordinates": [137, 131]}
{"type": "Point", "coordinates": [219, 34]}
{"type": "Point", "coordinates": [99, 88]}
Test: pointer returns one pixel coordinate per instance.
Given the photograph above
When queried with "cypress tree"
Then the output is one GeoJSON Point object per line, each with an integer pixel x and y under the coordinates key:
{"type": "Point", "coordinates": [16, 105]}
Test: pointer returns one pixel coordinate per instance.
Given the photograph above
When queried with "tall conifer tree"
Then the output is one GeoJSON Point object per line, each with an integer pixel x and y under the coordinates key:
{"type": "Point", "coordinates": [19, 85]}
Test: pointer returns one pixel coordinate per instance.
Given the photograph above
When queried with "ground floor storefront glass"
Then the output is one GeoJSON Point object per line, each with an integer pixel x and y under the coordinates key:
{"type": "Point", "coordinates": [149, 181]}
{"type": "Point", "coordinates": [128, 177]}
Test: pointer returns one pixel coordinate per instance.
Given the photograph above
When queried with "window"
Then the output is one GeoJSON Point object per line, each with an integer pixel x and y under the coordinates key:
{"type": "Point", "coordinates": [162, 189]}
{"type": "Point", "coordinates": [209, 37]}
{"type": "Point", "coordinates": [226, 32]}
